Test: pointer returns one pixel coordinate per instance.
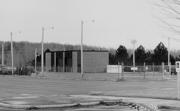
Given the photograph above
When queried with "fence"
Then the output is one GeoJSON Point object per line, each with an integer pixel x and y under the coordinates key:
{"type": "Point", "coordinates": [142, 72]}
{"type": "Point", "coordinates": [150, 71]}
{"type": "Point", "coordinates": [145, 72]}
{"type": "Point", "coordinates": [150, 68]}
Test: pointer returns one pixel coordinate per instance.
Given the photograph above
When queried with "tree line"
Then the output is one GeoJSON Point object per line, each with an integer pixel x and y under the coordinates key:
{"type": "Point", "coordinates": [156, 56]}
{"type": "Point", "coordinates": [24, 53]}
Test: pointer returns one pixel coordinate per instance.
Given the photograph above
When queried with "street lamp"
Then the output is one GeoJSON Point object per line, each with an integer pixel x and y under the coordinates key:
{"type": "Point", "coordinates": [82, 27]}
{"type": "Point", "coordinates": [169, 64]}
{"type": "Point", "coordinates": [12, 55]}
{"type": "Point", "coordinates": [133, 43]}
{"type": "Point", "coordinates": [82, 71]}
{"type": "Point", "coordinates": [169, 61]}
{"type": "Point", "coordinates": [42, 48]}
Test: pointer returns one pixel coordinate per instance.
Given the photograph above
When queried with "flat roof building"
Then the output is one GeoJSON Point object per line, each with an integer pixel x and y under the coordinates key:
{"type": "Point", "coordinates": [70, 61]}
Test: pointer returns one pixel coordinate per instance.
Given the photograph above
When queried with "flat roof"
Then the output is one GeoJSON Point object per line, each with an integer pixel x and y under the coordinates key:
{"type": "Point", "coordinates": [48, 50]}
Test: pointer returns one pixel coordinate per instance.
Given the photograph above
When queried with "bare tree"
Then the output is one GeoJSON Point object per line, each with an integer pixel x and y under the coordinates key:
{"type": "Point", "coordinates": [171, 9]}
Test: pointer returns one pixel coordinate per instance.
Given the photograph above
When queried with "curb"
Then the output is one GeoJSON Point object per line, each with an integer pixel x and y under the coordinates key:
{"type": "Point", "coordinates": [150, 97]}
{"type": "Point", "coordinates": [168, 107]}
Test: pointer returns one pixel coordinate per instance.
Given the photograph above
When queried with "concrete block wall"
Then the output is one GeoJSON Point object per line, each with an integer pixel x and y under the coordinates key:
{"type": "Point", "coordinates": [95, 61]}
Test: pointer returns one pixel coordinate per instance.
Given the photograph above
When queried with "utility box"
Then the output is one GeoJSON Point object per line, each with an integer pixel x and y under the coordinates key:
{"type": "Point", "coordinates": [114, 69]}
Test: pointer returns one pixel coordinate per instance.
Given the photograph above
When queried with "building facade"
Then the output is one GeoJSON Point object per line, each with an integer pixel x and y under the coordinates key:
{"type": "Point", "coordinates": [70, 61]}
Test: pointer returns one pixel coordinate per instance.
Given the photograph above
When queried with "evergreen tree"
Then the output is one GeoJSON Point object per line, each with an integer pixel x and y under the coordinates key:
{"type": "Point", "coordinates": [140, 55]}
{"type": "Point", "coordinates": [121, 54]}
{"type": "Point", "coordinates": [160, 54]}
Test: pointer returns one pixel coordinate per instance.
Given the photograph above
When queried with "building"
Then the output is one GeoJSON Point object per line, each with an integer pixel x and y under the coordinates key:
{"type": "Point", "coordinates": [70, 61]}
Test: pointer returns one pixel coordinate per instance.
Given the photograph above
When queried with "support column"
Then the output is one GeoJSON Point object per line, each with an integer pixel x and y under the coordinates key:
{"type": "Point", "coordinates": [64, 61]}
{"type": "Point", "coordinates": [55, 62]}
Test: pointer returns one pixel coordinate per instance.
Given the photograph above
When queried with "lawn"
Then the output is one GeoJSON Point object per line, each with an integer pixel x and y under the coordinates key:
{"type": "Point", "coordinates": [71, 83]}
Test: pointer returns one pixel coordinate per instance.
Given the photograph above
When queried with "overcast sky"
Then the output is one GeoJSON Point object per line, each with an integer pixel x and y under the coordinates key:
{"type": "Point", "coordinates": [116, 22]}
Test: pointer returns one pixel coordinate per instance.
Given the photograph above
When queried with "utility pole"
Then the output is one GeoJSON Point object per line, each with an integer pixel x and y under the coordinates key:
{"type": "Point", "coordinates": [12, 56]}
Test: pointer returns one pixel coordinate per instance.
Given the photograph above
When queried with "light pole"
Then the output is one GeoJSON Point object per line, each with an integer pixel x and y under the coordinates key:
{"type": "Point", "coordinates": [82, 59]}
{"type": "Point", "coordinates": [2, 54]}
{"type": "Point", "coordinates": [42, 51]}
{"type": "Point", "coordinates": [82, 70]}
{"type": "Point", "coordinates": [169, 65]}
{"type": "Point", "coordinates": [12, 55]}
{"type": "Point", "coordinates": [42, 48]}
{"type": "Point", "coordinates": [169, 61]}
{"type": "Point", "coordinates": [134, 42]}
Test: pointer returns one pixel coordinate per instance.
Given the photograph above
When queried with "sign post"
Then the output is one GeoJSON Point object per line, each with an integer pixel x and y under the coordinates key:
{"type": "Point", "coordinates": [178, 78]}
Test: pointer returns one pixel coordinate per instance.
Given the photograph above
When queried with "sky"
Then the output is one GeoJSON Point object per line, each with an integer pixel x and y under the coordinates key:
{"type": "Point", "coordinates": [117, 22]}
